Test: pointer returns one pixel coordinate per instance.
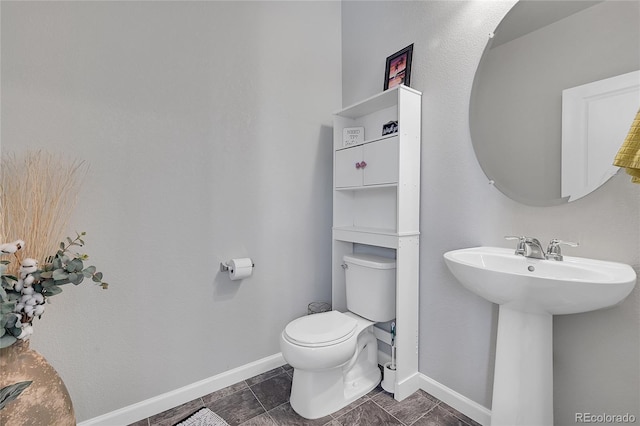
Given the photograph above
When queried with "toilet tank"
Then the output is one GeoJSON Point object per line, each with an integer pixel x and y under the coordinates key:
{"type": "Point", "coordinates": [371, 286]}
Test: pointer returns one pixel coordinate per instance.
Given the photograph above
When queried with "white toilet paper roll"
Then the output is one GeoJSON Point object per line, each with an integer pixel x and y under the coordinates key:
{"type": "Point", "coordinates": [240, 268]}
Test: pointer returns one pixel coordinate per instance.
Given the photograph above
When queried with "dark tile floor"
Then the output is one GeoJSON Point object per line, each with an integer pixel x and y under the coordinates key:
{"type": "Point", "coordinates": [264, 400]}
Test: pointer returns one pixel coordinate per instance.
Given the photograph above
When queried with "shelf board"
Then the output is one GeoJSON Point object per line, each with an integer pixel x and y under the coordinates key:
{"type": "Point", "coordinates": [378, 231]}
{"type": "Point", "coordinates": [365, 187]}
{"type": "Point", "coordinates": [380, 101]}
{"type": "Point", "coordinates": [372, 236]}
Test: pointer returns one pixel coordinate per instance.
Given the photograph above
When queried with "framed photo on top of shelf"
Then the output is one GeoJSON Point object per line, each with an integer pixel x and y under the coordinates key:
{"type": "Point", "coordinates": [398, 69]}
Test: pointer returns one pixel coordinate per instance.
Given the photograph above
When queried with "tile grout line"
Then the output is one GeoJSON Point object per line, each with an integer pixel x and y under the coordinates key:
{"type": "Point", "coordinates": [427, 412]}
{"type": "Point", "coordinates": [383, 409]}
{"type": "Point", "coordinates": [271, 417]}
{"type": "Point", "coordinates": [344, 414]}
{"type": "Point", "coordinates": [259, 402]}
{"type": "Point", "coordinates": [457, 414]}
{"type": "Point", "coordinates": [249, 387]}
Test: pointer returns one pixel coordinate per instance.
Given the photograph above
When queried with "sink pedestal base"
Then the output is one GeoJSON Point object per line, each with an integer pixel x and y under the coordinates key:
{"type": "Point", "coordinates": [523, 379]}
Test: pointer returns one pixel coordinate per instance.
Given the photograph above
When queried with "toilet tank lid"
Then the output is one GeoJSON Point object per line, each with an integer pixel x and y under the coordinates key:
{"type": "Point", "coordinates": [370, 261]}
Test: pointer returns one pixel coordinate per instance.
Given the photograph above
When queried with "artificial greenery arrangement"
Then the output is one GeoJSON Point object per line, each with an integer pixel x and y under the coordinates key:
{"type": "Point", "coordinates": [38, 192]}
{"type": "Point", "coordinates": [23, 297]}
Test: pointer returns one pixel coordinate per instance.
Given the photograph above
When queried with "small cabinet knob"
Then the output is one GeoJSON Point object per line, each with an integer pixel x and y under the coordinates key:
{"type": "Point", "coordinates": [363, 164]}
{"type": "Point", "coordinates": [357, 165]}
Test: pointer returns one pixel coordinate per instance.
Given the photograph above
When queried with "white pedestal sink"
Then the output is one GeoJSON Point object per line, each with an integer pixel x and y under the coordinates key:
{"type": "Point", "coordinates": [529, 292]}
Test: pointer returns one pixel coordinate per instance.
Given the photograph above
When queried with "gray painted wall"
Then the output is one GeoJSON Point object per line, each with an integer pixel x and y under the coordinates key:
{"type": "Point", "coordinates": [207, 126]}
{"type": "Point", "coordinates": [597, 354]}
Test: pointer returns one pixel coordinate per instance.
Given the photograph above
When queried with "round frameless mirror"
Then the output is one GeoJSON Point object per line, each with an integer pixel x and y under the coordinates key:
{"type": "Point", "coordinates": [540, 50]}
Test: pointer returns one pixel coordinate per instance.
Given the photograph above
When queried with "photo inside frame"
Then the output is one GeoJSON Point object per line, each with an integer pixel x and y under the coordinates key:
{"type": "Point", "coordinates": [397, 71]}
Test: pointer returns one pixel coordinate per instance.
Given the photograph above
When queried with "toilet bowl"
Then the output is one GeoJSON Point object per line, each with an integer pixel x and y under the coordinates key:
{"type": "Point", "coordinates": [334, 356]}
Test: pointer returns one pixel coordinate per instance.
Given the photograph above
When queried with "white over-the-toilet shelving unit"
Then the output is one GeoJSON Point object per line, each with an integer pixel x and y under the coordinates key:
{"type": "Point", "coordinates": [377, 208]}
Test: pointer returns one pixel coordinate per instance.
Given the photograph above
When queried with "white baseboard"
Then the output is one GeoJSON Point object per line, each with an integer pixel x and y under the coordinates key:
{"type": "Point", "coordinates": [407, 387]}
{"type": "Point", "coordinates": [166, 401]}
{"type": "Point", "coordinates": [458, 401]}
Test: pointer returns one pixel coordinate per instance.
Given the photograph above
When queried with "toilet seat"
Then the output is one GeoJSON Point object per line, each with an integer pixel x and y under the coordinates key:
{"type": "Point", "coordinates": [319, 330]}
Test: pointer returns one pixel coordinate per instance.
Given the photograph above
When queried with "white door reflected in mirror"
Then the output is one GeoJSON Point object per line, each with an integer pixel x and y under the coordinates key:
{"type": "Point", "coordinates": [595, 120]}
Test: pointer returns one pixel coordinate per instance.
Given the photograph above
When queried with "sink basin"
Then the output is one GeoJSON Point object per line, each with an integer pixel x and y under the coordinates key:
{"type": "Point", "coordinates": [530, 292]}
{"type": "Point", "coordinates": [535, 285]}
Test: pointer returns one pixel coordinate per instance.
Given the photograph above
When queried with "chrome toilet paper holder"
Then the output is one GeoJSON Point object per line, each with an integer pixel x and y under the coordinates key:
{"type": "Point", "coordinates": [224, 266]}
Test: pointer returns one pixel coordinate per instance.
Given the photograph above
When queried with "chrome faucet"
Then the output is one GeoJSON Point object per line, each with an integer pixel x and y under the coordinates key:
{"type": "Point", "coordinates": [520, 250]}
{"type": "Point", "coordinates": [554, 252]}
{"type": "Point", "coordinates": [530, 247]}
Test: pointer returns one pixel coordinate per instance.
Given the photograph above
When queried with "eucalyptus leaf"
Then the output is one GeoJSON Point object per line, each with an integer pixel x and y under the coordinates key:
{"type": "Point", "coordinates": [7, 340]}
{"type": "Point", "coordinates": [48, 283]}
{"type": "Point", "coordinates": [75, 265]}
{"type": "Point", "coordinates": [59, 274]}
{"type": "Point", "coordinates": [53, 290]}
{"type": "Point", "coordinates": [7, 307]}
{"type": "Point", "coordinates": [10, 277]}
{"type": "Point", "coordinates": [76, 278]}
{"type": "Point", "coordinates": [8, 321]}
{"type": "Point", "coordinates": [57, 263]}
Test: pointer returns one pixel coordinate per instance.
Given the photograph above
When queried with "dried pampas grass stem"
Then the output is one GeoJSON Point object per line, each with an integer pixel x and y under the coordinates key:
{"type": "Point", "coordinates": [38, 192]}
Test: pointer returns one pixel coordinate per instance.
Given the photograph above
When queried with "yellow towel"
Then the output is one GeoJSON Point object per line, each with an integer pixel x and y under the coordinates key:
{"type": "Point", "coordinates": [629, 154]}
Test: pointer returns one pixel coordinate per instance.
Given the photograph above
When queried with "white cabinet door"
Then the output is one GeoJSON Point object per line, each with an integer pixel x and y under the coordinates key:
{"type": "Point", "coordinates": [375, 163]}
{"type": "Point", "coordinates": [347, 170]}
{"type": "Point", "coordinates": [381, 160]}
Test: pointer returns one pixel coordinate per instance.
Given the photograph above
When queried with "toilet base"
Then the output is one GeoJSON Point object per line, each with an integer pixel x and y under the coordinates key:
{"type": "Point", "coordinates": [318, 393]}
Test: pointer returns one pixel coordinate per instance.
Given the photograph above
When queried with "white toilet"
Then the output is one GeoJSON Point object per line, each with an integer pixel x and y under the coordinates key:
{"type": "Point", "coordinates": [334, 354]}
